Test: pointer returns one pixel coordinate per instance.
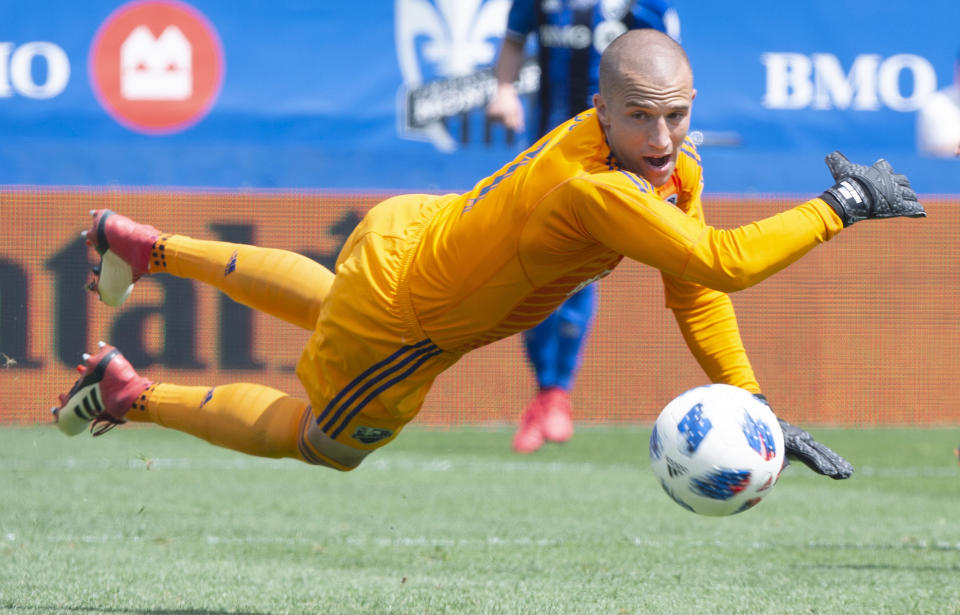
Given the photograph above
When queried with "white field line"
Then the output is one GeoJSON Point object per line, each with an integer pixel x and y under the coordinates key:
{"type": "Point", "coordinates": [919, 545]}
{"type": "Point", "coordinates": [489, 541]}
{"type": "Point", "coordinates": [354, 541]}
{"type": "Point", "coordinates": [244, 463]}
{"type": "Point", "coordinates": [400, 462]}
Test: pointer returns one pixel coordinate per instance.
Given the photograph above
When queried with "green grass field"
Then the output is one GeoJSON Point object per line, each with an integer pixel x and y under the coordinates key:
{"type": "Point", "coordinates": [149, 521]}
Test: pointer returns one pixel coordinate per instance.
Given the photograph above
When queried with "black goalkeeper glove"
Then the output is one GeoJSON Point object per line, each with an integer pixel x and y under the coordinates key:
{"type": "Point", "coordinates": [865, 192]}
{"type": "Point", "coordinates": [800, 445]}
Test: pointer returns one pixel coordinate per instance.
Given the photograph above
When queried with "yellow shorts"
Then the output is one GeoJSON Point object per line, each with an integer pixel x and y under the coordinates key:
{"type": "Point", "coordinates": [368, 365]}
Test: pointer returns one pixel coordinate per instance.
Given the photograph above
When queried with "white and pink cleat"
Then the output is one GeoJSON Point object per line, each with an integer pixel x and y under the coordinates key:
{"type": "Point", "coordinates": [125, 249]}
{"type": "Point", "coordinates": [107, 388]}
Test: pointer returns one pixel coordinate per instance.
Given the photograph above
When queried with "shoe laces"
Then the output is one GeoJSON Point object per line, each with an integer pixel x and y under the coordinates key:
{"type": "Point", "coordinates": [103, 423]}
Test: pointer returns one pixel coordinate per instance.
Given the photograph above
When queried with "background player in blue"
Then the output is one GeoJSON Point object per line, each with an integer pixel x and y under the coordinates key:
{"type": "Point", "coordinates": [571, 36]}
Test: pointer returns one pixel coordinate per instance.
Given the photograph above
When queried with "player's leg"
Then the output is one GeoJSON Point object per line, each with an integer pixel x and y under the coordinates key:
{"type": "Point", "coordinates": [540, 344]}
{"type": "Point", "coordinates": [249, 418]}
{"type": "Point", "coordinates": [284, 284]}
{"type": "Point", "coordinates": [360, 401]}
{"type": "Point", "coordinates": [553, 348]}
{"type": "Point", "coordinates": [365, 379]}
{"type": "Point", "coordinates": [574, 318]}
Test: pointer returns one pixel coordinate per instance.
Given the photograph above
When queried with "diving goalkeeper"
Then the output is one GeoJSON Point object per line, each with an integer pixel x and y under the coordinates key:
{"type": "Point", "coordinates": [424, 279]}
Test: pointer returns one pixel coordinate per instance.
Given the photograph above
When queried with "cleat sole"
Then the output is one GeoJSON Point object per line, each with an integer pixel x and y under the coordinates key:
{"type": "Point", "coordinates": [115, 280]}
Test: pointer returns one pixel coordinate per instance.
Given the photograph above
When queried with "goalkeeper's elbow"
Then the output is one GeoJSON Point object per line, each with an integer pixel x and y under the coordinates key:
{"type": "Point", "coordinates": [737, 276]}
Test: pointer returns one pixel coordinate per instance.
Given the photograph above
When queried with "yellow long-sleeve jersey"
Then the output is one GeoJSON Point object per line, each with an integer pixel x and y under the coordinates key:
{"type": "Point", "coordinates": [500, 258]}
{"type": "Point", "coordinates": [424, 279]}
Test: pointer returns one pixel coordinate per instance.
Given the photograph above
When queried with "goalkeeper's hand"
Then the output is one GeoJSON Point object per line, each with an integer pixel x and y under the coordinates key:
{"type": "Point", "coordinates": [800, 445]}
{"type": "Point", "coordinates": [863, 192]}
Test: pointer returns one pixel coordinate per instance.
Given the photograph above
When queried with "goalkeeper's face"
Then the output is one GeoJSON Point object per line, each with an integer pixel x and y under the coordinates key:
{"type": "Point", "coordinates": [644, 106]}
{"type": "Point", "coordinates": [646, 119]}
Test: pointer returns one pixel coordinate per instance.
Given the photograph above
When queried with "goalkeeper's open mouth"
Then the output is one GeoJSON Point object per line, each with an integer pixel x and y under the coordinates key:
{"type": "Point", "coordinates": [658, 162]}
{"type": "Point", "coordinates": [657, 169]}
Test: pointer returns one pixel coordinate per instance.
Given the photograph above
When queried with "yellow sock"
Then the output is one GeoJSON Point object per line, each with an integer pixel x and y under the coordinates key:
{"type": "Point", "coordinates": [249, 418]}
{"type": "Point", "coordinates": [284, 284]}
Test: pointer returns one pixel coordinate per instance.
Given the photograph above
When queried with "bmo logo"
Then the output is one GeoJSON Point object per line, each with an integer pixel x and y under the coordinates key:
{"type": "Point", "coordinates": [156, 66]}
{"type": "Point", "coordinates": [18, 73]}
{"type": "Point", "coordinates": [818, 81]}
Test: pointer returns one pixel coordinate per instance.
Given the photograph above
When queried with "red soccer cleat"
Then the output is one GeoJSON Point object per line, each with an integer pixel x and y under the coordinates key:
{"type": "Point", "coordinates": [106, 390]}
{"type": "Point", "coordinates": [125, 249]}
{"type": "Point", "coordinates": [529, 437]}
{"type": "Point", "coordinates": [556, 416]}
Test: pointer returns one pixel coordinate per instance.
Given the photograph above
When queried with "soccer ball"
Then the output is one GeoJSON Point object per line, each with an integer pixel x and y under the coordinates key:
{"type": "Point", "coordinates": [717, 450]}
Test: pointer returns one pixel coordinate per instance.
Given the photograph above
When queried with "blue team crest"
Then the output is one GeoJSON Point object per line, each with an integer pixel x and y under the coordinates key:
{"type": "Point", "coordinates": [369, 435]}
{"type": "Point", "coordinates": [446, 50]}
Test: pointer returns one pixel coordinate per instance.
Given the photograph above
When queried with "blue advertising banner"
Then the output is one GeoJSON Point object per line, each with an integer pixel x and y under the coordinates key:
{"type": "Point", "coordinates": [322, 95]}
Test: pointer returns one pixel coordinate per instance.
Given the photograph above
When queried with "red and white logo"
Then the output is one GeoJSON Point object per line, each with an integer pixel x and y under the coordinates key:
{"type": "Point", "coordinates": [156, 66]}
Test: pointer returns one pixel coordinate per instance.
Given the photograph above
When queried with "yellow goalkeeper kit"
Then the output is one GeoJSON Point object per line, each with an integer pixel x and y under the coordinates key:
{"type": "Point", "coordinates": [424, 279]}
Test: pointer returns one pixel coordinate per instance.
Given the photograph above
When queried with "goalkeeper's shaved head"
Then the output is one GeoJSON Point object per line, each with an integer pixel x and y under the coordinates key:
{"type": "Point", "coordinates": [646, 52]}
{"type": "Point", "coordinates": [646, 95]}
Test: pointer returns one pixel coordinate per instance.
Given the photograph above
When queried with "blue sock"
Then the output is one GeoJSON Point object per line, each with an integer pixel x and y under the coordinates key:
{"type": "Point", "coordinates": [554, 345]}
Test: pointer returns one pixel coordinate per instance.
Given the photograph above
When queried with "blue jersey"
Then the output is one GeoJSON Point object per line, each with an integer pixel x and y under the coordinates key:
{"type": "Point", "coordinates": [571, 35]}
